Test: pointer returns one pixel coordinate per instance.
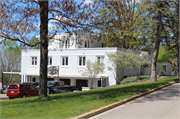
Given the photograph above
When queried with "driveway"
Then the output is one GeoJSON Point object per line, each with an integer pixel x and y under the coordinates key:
{"type": "Point", "coordinates": [162, 104]}
{"type": "Point", "coordinates": [3, 97]}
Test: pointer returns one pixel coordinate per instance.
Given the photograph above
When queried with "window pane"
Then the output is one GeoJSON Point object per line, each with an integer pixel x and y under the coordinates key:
{"type": "Point", "coordinates": [50, 60]}
{"type": "Point", "coordinates": [80, 60]}
{"type": "Point", "coordinates": [66, 60]}
{"type": "Point", "coordinates": [35, 60]}
{"type": "Point", "coordinates": [84, 59]}
{"type": "Point", "coordinates": [32, 60]}
{"type": "Point", "coordinates": [63, 60]}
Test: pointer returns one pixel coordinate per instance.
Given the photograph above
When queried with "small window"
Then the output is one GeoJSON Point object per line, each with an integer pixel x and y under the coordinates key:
{"type": "Point", "coordinates": [34, 79]}
{"type": "Point", "coordinates": [82, 61]}
{"type": "Point", "coordinates": [85, 44]}
{"type": "Point", "coordinates": [49, 60]}
{"type": "Point", "coordinates": [164, 68]}
{"type": "Point", "coordinates": [100, 59]}
{"type": "Point", "coordinates": [65, 61]}
{"type": "Point", "coordinates": [33, 61]}
{"type": "Point", "coordinates": [27, 87]}
{"type": "Point", "coordinates": [32, 88]}
{"type": "Point", "coordinates": [21, 86]}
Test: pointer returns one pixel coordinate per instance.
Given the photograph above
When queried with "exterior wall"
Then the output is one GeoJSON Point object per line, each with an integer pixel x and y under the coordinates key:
{"type": "Point", "coordinates": [168, 68]}
{"type": "Point", "coordinates": [72, 70]}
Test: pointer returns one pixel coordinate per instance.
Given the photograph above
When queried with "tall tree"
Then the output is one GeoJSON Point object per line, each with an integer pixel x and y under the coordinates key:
{"type": "Point", "coordinates": [119, 24]}
{"type": "Point", "coordinates": [21, 18]}
{"type": "Point", "coordinates": [153, 23]}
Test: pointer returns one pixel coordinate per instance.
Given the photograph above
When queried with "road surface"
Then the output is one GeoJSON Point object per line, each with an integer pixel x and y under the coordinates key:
{"type": "Point", "coordinates": [3, 97]}
{"type": "Point", "coordinates": [162, 104]}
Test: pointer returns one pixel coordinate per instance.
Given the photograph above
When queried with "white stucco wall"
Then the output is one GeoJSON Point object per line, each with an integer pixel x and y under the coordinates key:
{"type": "Point", "coordinates": [72, 68]}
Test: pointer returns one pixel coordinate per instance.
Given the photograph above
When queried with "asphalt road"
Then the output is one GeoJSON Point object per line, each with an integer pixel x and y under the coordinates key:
{"type": "Point", "coordinates": [3, 97]}
{"type": "Point", "coordinates": [162, 104]}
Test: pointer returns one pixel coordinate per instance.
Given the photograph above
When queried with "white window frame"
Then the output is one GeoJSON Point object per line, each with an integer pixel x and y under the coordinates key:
{"type": "Point", "coordinates": [100, 56]}
{"type": "Point", "coordinates": [49, 61]}
{"type": "Point", "coordinates": [66, 63]}
{"type": "Point", "coordinates": [33, 60]}
{"type": "Point", "coordinates": [82, 62]}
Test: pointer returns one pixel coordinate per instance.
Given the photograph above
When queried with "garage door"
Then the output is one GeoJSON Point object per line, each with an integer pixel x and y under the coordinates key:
{"type": "Point", "coordinates": [66, 81]}
{"type": "Point", "coordinates": [81, 83]}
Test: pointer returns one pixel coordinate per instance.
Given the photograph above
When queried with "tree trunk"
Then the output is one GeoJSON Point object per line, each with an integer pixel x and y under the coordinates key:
{"type": "Point", "coordinates": [154, 62]}
{"type": "Point", "coordinates": [157, 43]}
{"type": "Point", "coordinates": [43, 48]}
{"type": "Point", "coordinates": [177, 65]}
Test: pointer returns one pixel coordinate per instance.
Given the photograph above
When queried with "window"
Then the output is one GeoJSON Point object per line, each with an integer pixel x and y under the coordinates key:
{"type": "Point", "coordinates": [32, 88]}
{"type": "Point", "coordinates": [21, 86]}
{"type": "Point", "coordinates": [85, 44]}
{"type": "Point", "coordinates": [27, 87]}
{"type": "Point", "coordinates": [82, 61]}
{"type": "Point", "coordinates": [64, 61]}
{"type": "Point", "coordinates": [49, 60]}
{"type": "Point", "coordinates": [100, 59]}
{"type": "Point", "coordinates": [164, 68]}
{"type": "Point", "coordinates": [33, 61]}
{"type": "Point", "coordinates": [34, 79]}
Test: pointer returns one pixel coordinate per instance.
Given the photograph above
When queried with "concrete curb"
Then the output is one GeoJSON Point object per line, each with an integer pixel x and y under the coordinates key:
{"type": "Point", "coordinates": [102, 109]}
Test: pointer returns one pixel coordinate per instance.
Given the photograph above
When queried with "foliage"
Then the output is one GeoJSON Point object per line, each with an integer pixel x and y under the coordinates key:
{"type": "Point", "coordinates": [118, 24]}
{"type": "Point", "coordinates": [122, 60]}
{"type": "Point", "coordinates": [92, 70]}
{"type": "Point", "coordinates": [167, 55]}
{"type": "Point", "coordinates": [153, 24]}
{"type": "Point", "coordinates": [68, 105]}
{"type": "Point", "coordinates": [162, 72]}
{"type": "Point", "coordinates": [34, 40]}
{"type": "Point", "coordinates": [174, 73]}
{"type": "Point", "coordinates": [19, 19]}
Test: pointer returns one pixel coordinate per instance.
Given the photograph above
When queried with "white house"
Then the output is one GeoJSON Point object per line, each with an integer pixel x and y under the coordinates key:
{"type": "Point", "coordinates": [70, 55]}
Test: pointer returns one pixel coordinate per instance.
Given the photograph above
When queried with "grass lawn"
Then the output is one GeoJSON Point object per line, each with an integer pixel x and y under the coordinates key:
{"type": "Point", "coordinates": [72, 104]}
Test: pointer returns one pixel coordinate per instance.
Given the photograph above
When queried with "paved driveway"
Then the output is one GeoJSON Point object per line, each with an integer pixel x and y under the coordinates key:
{"type": "Point", "coordinates": [3, 97]}
{"type": "Point", "coordinates": [162, 104]}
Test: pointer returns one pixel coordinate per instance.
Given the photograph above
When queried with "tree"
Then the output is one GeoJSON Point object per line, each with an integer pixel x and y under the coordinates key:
{"type": "Point", "coordinates": [154, 24]}
{"type": "Point", "coordinates": [21, 18]}
{"type": "Point", "coordinates": [34, 40]}
{"type": "Point", "coordinates": [92, 70]}
{"type": "Point", "coordinates": [166, 54]}
{"type": "Point", "coordinates": [119, 24]}
{"type": "Point", "coordinates": [10, 57]}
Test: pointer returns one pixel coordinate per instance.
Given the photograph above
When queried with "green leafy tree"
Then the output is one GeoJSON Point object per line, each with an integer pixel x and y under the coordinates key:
{"type": "Point", "coordinates": [34, 40]}
{"type": "Point", "coordinates": [92, 70]}
{"type": "Point", "coordinates": [153, 24]}
{"type": "Point", "coordinates": [118, 24]}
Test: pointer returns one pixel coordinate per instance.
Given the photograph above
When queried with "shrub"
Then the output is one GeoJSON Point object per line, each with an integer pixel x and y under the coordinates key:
{"type": "Point", "coordinates": [174, 73]}
{"type": "Point", "coordinates": [161, 73]}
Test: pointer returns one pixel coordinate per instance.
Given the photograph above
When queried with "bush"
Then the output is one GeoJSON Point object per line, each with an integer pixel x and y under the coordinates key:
{"type": "Point", "coordinates": [174, 73]}
{"type": "Point", "coordinates": [161, 73]}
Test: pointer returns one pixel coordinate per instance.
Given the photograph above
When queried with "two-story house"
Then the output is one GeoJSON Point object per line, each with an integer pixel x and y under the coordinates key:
{"type": "Point", "coordinates": [70, 55]}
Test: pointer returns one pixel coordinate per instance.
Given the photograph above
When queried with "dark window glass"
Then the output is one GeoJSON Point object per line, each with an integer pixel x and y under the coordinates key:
{"type": "Point", "coordinates": [13, 87]}
{"type": "Point", "coordinates": [32, 88]}
{"type": "Point", "coordinates": [27, 87]}
{"type": "Point", "coordinates": [66, 60]}
{"type": "Point", "coordinates": [21, 86]}
{"type": "Point", "coordinates": [84, 60]}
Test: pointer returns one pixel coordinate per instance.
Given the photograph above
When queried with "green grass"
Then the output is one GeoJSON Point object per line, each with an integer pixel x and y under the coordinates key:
{"type": "Point", "coordinates": [71, 104]}
{"type": "Point", "coordinates": [133, 80]}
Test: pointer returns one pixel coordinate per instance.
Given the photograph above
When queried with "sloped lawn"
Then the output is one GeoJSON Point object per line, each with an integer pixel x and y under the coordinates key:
{"type": "Point", "coordinates": [71, 104]}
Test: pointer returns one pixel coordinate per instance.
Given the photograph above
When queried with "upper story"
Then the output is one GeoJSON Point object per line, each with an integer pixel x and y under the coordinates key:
{"type": "Point", "coordinates": [73, 41]}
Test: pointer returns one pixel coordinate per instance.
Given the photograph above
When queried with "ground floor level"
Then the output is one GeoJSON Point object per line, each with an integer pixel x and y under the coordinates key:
{"type": "Point", "coordinates": [71, 81]}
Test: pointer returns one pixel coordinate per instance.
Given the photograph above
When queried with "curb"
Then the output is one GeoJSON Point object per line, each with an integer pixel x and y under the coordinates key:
{"type": "Point", "coordinates": [103, 109]}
